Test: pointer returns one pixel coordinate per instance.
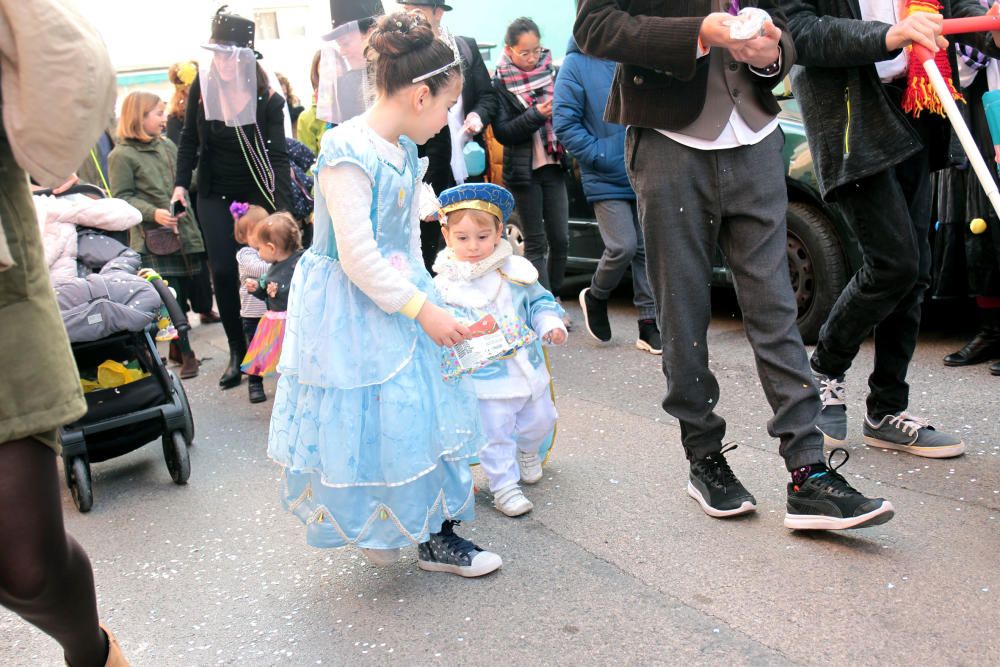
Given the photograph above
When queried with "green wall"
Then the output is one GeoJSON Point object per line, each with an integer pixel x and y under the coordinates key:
{"type": "Point", "coordinates": [487, 21]}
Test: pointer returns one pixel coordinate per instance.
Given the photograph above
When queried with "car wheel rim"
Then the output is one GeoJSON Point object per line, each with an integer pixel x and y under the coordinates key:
{"type": "Point", "coordinates": [800, 269]}
{"type": "Point", "coordinates": [516, 239]}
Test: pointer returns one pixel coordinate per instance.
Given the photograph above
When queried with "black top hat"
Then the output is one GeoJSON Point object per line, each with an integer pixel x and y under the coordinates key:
{"type": "Point", "coordinates": [427, 3]}
{"type": "Point", "coordinates": [232, 30]}
{"type": "Point", "coordinates": [346, 11]}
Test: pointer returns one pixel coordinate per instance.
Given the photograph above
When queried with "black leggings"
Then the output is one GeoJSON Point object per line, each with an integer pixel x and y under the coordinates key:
{"type": "Point", "coordinates": [217, 229]}
{"type": "Point", "coordinates": [45, 576]}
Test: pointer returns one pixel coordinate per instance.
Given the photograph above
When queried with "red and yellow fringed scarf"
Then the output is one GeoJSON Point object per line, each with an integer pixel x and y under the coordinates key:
{"type": "Point", "coordinates": [920, 94]}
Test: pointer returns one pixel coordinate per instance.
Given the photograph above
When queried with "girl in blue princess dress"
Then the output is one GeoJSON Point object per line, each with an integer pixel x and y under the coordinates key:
{"type": "Point", "coordinates": [373, 443]}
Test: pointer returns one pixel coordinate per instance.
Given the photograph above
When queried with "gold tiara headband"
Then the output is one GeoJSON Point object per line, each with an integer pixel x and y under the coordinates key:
{"type": "Point", "coordinates": [476, 204]}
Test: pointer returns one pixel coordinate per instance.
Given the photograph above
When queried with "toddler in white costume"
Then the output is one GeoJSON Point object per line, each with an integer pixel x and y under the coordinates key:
{"type": "Point", "coordinates": [478, 275]}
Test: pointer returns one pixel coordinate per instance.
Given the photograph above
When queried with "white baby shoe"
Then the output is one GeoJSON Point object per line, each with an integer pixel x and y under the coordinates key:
{"type": "Point", "coordinates": [511, 501]}
{"type": "Point", "coordinates": [531, 466]}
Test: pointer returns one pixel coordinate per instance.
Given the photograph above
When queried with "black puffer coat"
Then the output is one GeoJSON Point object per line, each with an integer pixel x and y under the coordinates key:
{"type": "Point", "coordinates": [513, 127]}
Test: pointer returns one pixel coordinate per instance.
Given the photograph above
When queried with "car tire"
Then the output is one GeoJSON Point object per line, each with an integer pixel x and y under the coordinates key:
{"type": "Point", "coordinates": [817, 266]}
{"type": "Point", "coordinates": [514, 234]}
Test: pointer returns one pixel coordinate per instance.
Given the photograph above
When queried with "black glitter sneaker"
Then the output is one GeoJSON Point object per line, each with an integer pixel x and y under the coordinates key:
{"type": "Point", "coordinates": [447, 552]}
{"type": "Point", "coordinates": [826, 501]}
{"type": "Point", "coordinates": [715, 486]}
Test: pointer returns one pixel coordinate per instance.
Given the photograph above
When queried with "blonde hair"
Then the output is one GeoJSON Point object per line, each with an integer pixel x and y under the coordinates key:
{"type": "Point", "coordinates": [482, 218]}
{"type": "Point", "coordinates": [281, 230]}
{"type": "Point", "coordinates": [245, 225]}
{"type": "Point", "coordinates": [134, 110]}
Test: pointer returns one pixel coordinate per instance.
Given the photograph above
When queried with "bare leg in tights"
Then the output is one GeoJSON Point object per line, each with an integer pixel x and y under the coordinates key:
{"type": "Point", "coordinates": [45, 576]}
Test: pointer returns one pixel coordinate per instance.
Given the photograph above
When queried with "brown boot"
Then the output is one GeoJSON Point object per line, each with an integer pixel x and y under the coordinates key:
{"type": "Point", "coordinates": [174, 353]}
{"type": "Point", "coordinates": [115, 656]}
{"type": "Point", "coordinates": [189, 365]}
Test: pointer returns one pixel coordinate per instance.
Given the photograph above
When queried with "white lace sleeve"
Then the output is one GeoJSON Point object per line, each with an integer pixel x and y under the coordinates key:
{"type": "Point", "coordinates": [348, 193]}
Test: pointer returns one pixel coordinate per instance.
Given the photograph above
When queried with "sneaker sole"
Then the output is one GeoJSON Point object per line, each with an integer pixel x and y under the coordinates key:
{"type": "Point", "coordinates": [485, 567]}
{"type": "Point", "coordinates": [944, 452]}
{"type": "Point", "coordinates": [646, 347]}
{"type": "Point", "coordinates": [532, 480]}
{"type": "Point", "coordinates": [745, 508]}
{"type": "Point", "coordinates": [818, 522]}
{"type": "Point", "coordinates": [833, 442]}
{"type": "Point", "coordinates": [586, 320]}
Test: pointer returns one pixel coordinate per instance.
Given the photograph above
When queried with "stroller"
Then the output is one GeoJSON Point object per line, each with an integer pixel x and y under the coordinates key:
{"type": "Point", "coordinates": [112, 315]}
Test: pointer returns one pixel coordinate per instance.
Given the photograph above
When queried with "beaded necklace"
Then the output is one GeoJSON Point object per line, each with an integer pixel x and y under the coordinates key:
{"type": "Point", "coordinates": [258, 161]}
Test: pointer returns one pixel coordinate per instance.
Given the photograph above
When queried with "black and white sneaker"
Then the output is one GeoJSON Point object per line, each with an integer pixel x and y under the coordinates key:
{"type": "Point", "coordinates": [832, 420]}
{"type": "Point", "coordinates": [595, 316]}
{"type": "Point", "coordinates": [447, 552]}
{"type": "Point", "coordinates": [826, 501]}
{"type": "Point", "coordinates": [649, 337]}
{"type": "Point", "coordinates": [714, 485]}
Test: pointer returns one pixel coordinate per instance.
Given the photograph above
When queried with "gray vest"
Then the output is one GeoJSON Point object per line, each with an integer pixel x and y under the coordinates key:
{"type": "Point", "coordinates": [730, 85]}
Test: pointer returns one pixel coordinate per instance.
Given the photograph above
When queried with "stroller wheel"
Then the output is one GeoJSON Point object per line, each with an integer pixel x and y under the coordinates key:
{"type": "Point", "coordinates": [78, 480]}
{"type": "Point", "coordinates": [176, 453]}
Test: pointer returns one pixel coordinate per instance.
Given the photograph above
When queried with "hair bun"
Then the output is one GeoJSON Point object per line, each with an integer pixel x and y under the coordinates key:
{"type": "Point", "coordinates": [399, 34]}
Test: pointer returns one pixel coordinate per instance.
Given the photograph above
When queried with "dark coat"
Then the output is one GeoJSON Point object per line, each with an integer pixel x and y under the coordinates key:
{"type": "Point", "coordinates": [477, 96]}
{"type": "Point", "coordinates": [660, 82]}
{"type": "Point", "coordinates": [853, 126]}
{"type": "Point", "coordinates": [578, 117]}
{"type": "Point", "coordinates": [197, 148]}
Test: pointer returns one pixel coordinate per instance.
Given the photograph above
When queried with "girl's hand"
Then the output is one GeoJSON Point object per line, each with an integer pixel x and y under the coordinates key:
{"type": "Point", "coordinates": [163, 217]}
{"type": "Point", "coordinates": [272, 290]}
{"type": "Point", "coordinates": [180, 194]}
{"type": "Point", "coordinates": [555, 337]}
{"type": "Point", "coordinates": [440, 326]}
{"type": "Point", "coordinates": [251, 284]}
{"type": "Point", "coordinates": [545, 108]}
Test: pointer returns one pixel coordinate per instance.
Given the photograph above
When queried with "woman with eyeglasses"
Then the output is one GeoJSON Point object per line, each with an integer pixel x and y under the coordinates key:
{"type": "Point", "coordinates": [533, 159]}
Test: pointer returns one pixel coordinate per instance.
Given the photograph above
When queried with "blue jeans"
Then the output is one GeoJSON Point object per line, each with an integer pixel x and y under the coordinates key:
{"type": "Point", "coordinates": [618, 222]}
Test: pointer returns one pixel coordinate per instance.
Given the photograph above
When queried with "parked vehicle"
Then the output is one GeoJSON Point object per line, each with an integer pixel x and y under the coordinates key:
{"type": "Point", "coordinates": [823, 252]}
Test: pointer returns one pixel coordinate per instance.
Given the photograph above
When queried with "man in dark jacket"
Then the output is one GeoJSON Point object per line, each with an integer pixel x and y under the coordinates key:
{"type": "Point", "coordinates": [466, 121]}
{"type": "Point", "coordinates": [581, 93]}
{"type": "Point", "coordinates": [704, 155]}
{"type": "Point", "coordinates": [875, 160]}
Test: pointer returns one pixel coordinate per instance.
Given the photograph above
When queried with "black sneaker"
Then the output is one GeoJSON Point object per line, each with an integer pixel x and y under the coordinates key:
{"type": "Point", "coordinates": [828, 502]}
{"type": "Point", "coordinates": [595, 316]}
{"type": "Point", "coordinates": [714, 485]}
{"type": "Point", "coordinates": [649, 337]}
{"type": "Point", "coordinates": [447, 552]}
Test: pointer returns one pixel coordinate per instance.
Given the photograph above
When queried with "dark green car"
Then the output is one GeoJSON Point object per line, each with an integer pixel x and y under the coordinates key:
{"type": "Point", "coordinates": [822, 250]}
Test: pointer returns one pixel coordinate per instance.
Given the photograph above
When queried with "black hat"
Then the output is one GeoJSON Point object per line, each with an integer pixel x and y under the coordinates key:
{"type": "Point", "coordinates": [346, 11]}
{"type": "Point", "coordinates": [427, 3]}
{"type": "Point", "coordinates": [231, 29]}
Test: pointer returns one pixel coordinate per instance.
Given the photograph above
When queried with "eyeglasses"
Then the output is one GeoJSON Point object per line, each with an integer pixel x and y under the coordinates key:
{"type": "Point", "coordinates": [528, 54]}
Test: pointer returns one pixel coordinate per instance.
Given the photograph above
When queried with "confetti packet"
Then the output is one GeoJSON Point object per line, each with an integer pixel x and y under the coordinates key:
{"type": "Point", "coordinates": [748, 24]}
{"type": "Point", "coordinates": [489, 343]}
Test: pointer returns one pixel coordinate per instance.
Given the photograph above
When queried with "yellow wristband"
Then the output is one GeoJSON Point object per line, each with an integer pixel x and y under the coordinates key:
{"type": "Point", "coordinates": [413, 306]}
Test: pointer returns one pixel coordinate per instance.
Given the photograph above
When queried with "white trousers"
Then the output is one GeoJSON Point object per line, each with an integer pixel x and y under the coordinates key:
{"type": "Point", "coordinates": [512, 424]}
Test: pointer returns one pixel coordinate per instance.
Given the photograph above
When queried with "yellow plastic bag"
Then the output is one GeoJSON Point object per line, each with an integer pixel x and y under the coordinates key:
{"type": "Point", "coordinates": [114, 374]}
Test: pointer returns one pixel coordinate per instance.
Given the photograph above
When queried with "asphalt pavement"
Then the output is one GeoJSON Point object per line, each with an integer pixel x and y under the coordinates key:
{"type": "Point", "coordinates": [616, 564]}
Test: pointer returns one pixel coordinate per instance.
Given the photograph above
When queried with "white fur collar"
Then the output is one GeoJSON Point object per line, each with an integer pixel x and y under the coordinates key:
{"type": "Point", "coordinates": [481, 291]}
{"type": "Point", "coordinates": [447, 265]}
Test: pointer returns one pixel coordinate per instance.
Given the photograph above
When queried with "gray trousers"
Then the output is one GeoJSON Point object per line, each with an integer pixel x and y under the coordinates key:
{"type": "Point", "coordinates": [618, 222]}
{"type": "Point", "coordinates": [689, 201]}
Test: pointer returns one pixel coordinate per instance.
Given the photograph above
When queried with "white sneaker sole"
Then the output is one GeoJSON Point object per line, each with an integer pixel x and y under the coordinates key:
{"type": "Point", "coordinates": [586, 320]}
{"type": "Point", "coordinates": [945, 452]}
{"type": "Point", "coordinates": [745, 508]}
{"type": "Point", "coordinates": [534, 479]}
{"type": "Point", "coordinates": [484, 563]}
{"type": "Point", "coordinates": [646, 347]}
{"type": "Point", "coordinates": [818, 522]}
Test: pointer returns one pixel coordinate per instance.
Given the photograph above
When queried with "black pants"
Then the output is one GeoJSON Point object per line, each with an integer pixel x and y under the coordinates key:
{"type": "Point", "coordinates": [217, 228]}
{"type": "Point", "coordinates": [734, 198]}
{"type": "Point", "coordinates": [543, 207]}
{"type": "Point", "coordinates": [890, 214]}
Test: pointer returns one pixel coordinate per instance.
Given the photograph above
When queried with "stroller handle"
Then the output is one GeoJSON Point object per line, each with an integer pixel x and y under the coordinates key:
{"type": "Point", "coordinates": [177, 315]}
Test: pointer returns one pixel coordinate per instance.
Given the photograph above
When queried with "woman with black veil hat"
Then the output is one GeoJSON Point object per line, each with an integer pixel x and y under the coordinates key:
{"type": "Point", "coordinates": [234, 132]}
